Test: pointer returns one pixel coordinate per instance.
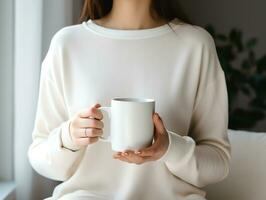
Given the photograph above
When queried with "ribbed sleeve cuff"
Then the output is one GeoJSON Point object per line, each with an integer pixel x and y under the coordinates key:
{"type": "Point", "coordinates": [50, 158]}
{"type": "Point", "coordinates": [66, 137]}
{"type": "Point", "coordinates": [179, 147]}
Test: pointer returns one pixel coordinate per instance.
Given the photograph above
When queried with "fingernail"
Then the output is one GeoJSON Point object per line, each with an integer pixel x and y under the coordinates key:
{"type": "Point", "coordinates": [97, 105]}
{"type": "Point", "coordinates": [125, 154]}
{"type": "Point", "coordinates": [137, 152]}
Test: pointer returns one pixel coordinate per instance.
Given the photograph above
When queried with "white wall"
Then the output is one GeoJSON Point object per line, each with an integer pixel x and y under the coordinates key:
{"type": "Point", "coordinates": [28, 33]}
{"type": "Point", "coordinates": [56, 14]}
{"type": "Point", "coordinates": [36, 21]}
{"type": "Point", "coordinates": [66, 12]}
{"type": "Point", "coordinates": [6, 89]}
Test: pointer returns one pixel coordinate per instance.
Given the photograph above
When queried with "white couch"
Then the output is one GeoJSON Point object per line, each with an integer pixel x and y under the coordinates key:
{"type": "Point", "coordinates": [247, 178]}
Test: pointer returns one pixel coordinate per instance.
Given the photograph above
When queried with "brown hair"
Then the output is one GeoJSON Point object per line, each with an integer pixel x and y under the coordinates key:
{"type": "Point", "coordinates": [166, 9]}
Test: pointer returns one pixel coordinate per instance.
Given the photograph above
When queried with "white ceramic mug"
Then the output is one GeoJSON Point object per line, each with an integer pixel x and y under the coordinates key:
{"type": "Point", "coordinates": [128, 123]}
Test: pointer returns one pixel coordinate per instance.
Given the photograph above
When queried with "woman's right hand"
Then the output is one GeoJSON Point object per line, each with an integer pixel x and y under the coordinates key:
{"type": "Point", "coordinates": [86, 126]}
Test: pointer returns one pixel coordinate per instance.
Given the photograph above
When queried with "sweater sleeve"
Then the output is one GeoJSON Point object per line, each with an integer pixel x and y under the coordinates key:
{"type": "Point", "coordinates": [52, 152]}
{"type": "Point", "coordinates": [203, 156]}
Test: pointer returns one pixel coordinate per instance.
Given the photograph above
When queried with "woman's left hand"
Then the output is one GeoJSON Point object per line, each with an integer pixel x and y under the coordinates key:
{"type": "Point", "coordinates": [152, 153]}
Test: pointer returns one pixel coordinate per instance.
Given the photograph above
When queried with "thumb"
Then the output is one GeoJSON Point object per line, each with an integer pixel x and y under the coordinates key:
{"type": "Point", "coordinates": [89, 111]}
{"type": "Point", "coordinates": [159, 126]}
{"type": "Point", "coordinates": [97, 105]}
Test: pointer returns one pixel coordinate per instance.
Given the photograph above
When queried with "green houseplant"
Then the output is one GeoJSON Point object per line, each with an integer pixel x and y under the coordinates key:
{"type": "Point", "coordinates": [245, 75]}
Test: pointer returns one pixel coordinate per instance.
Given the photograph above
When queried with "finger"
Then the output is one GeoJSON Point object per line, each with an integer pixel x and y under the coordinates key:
{"type": "Point", "coordinates": [132, 157]}
{"type": "Point", "coordinates": [86, 141]}
{"type": "Point", "coordinates": [89, 132]}
{"type": "Point", "coordinates": [92, 112]}
{"type": "Point", "coordinates": [117, 153]}
{"type": "Point", "coordinates": [159, 126]}
{"type": "Point", "coordinates": [122, 158]}
{"type": "Point", "coordinates": [97, 105]}
{"type": "Point", "coordinates": [89, 123]}
{"type": "Point", "coordinates": [149, 151]}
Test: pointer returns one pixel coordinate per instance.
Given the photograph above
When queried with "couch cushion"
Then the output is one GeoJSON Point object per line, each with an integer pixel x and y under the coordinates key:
{"type": "Point", "coordinates": [247, 178]}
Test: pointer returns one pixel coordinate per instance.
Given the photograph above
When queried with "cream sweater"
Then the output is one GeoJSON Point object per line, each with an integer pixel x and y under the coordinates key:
{"type": "Point", "coordinates": [88, 63]}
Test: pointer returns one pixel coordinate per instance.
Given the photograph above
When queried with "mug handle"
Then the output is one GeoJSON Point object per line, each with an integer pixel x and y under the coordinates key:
{"type": "Point", "coordinates": [106, 111]}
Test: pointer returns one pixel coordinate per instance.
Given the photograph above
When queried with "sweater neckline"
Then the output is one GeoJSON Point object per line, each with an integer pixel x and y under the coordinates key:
{"type": "Point", "coordinates": [128, 33]}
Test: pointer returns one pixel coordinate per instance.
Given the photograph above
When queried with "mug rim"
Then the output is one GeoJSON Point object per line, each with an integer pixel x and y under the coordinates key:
{"type": "Point", "coordinates": [133, 100]}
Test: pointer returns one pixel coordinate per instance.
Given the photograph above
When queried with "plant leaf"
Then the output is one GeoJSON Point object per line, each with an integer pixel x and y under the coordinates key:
{"type": "Point", "coordinates": [211, 30]}
{"type": "Point", "coordinates": [222, 37]}
{"type": "Point", "coordinates": [258, 102]}
{"type": "Point", "coordinates": [249, 115]}
{"type": "Point", "coordinates": [246, 90]}
{"type": "Point", "coordinates": [261, 63]}
{"type": "Point", "coordinates": [245, 64]}
{"type": "Point", "coordinates": [251, 43]}
{"type": "Point", "coordinates": [252, 57]}
{"type": "Point", "coordinates": [236, 38]}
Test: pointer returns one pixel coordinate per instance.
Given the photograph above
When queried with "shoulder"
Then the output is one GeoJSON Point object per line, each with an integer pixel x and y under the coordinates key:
{"type": "Point", "coordinates": [200, 45]}
{"type": "Point", "coordinates": [66, 35]}
{"type": "Point", "coordinates": [193, 35]}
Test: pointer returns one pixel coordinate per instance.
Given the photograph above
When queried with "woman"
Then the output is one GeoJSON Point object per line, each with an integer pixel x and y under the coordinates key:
{"type": "Point", "coordinates": [138, 49]}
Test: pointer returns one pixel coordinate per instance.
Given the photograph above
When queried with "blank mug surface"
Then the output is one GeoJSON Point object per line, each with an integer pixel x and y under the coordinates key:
{"type": "Point", "coordinates": [131, 123]}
